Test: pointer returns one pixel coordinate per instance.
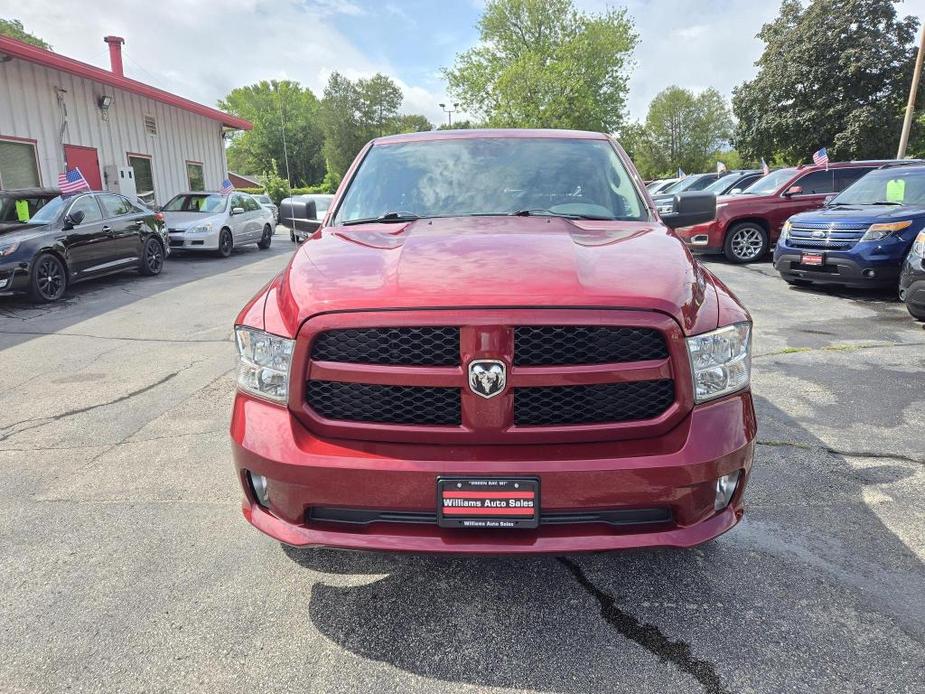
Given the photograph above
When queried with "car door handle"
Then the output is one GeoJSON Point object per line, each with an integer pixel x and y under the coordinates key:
{"type": "Point", "coordinates": [107, 229]}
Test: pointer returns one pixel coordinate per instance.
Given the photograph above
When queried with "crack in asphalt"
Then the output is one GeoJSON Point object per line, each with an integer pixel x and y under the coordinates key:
{"type": "Point", "coordinates": [837, 348]}
{"type": "Point", "coordinates": [42, 421]}
{"type": "Point", "coordinates": [649, 636]}
{"type": "Point", "coordinates": [844, 454]}
{"type": "Point", "coordinates": [38, 333]}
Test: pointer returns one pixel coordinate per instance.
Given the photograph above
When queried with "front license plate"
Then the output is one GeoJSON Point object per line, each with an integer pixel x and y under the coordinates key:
{"type": "Point", "coordinates": [488, 502]}
{"type": "Point", "coordinates": [812, 259]}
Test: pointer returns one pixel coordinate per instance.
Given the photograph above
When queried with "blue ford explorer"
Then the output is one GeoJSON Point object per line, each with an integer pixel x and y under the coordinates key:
{"type": "Point", "coordinates": [861, 237]}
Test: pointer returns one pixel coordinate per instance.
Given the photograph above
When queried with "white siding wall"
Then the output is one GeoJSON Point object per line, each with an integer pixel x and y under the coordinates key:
{"type": "Point", "coordinates": [29, 109]}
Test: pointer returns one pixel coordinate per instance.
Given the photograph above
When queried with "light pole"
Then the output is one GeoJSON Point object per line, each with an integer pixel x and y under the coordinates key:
{"type": "Point", "coordinates": [449, 113]}
{"type": "Point", "coordinates": [910, 107]}
{"type": "Point", "coordinates": [282, 127]}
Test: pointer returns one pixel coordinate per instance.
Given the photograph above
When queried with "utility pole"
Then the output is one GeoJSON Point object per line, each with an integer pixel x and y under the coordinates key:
{"type": "Point", "coordinates": [282, 125]}
{"type": "Point", "coordinates": [449, 113]}
{"type": "Point", "coordinates": [910, 107]}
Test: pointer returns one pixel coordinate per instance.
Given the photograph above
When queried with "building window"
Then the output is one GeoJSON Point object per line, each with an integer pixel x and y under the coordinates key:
{"type": "Point", "coordinates": [144, 177]}
{"type": "Point", "coordinates": [194, 176]}
{"type": "Point", "coordinates": [19, 166]}
{"type": "Point", "coordinates": [150, 125]}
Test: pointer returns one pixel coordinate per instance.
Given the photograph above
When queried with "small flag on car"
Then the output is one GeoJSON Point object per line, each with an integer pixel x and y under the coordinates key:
{"type": "Point", "coordinates": [765, 169]}
{"type": "Point", "coordinates": [227, 188]}
{"type": "Point", "coordinates": [71, 181]}
{"type": "Point", "coordinates": [720, 167]}
{"type": "Point", "coordinates": [681, 173]}
{"type": "Point", "coordinates": [821, 158]}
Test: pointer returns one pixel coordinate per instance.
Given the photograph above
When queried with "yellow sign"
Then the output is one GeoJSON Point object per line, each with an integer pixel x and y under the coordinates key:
{"type": "Point", "coordinates": [22, 210]}
{"type": "Point", "coordinates": [896, 190]}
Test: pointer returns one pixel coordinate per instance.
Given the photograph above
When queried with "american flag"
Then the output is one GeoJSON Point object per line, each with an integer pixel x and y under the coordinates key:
{"type": "Point", "coordinates": [227, 188]}
{"type": "Point", "coordinates": [765, 169]}
{"type": "Point", "coordinates": [821, 158]}
{"type": "Point", "coordinates": [71, 181]}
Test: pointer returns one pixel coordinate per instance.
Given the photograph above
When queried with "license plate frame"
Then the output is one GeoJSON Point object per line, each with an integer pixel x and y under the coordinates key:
{"type": "Point", "coordinates": [812, 259]}
{"type": "Point", "coordinates": [503, 496]}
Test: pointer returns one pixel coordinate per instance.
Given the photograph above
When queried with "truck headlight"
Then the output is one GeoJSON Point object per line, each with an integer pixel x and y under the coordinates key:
{"type": "Point", "coordinates": [720, 361]}
{"type": "Point", "coordinates": [265, 363]}
{"type": "Point", "coordinates": [876, 232]}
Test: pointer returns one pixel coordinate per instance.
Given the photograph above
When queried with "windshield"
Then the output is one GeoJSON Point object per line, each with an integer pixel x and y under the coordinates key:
{"type": "Point", "coordinates": [492, 176]}
{"type": "Point", "coordinates": [770, 183]}
{"type": "Point", "coordinates": [50, 212]}
{"type": "Point", "coordinates": [888, 186]}
{"type": "Point", "coordinates": [204, 203]}
{"type": "Point", "coordinates": [263, 199]}
{"type": "Point", "coordinates": [719, 185]}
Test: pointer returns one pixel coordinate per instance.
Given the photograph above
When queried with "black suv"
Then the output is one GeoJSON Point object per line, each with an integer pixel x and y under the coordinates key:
{"type": "Point", "coordinates": [76, 237]}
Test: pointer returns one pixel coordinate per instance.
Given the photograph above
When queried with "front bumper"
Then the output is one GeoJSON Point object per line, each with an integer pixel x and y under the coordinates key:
{"type": "Point", "coordinates": [676, 471]}
{"type": "Point", "coordinates": [14, 277]}
{"type": "Point", "coordinates": [841, 268]}
{"type": "Point", "coordinates": [702, 238]}
{"type": "Point", "coordinates": [189, 241]}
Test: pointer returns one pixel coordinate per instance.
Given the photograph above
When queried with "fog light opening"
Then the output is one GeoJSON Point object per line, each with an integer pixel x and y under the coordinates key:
{"type": "Point", "coordinates": [870, 274]}
{"type": "Point", "coordinates": [725, 488]}
{"type": "Point", "coordinates": [260, 489]}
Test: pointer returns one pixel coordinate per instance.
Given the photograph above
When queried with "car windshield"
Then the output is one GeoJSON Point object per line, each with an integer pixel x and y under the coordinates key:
{"type": "Point", "coordinates": [50, 211]}
{"type": "Point", "coordinates": [263, 199]}
{"type": "Point", "coordinates": [492, 176]}
{"type": "Point", "coordinates": [719, 185]}
{"type": "Point", "coordinates": [770, 183]}
{"type": "Point", "coordinates": [205, 203]}
{"type": "Point", "coordinates": [896, 186]}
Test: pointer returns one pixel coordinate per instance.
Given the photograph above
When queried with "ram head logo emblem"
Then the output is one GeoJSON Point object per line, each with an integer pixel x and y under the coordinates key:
{"type": "Point", "coordinates": [487, 377]}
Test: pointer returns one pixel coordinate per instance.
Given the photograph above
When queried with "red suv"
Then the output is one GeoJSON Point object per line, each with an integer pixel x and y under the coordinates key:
{"type": "Point", "coordinates": [494, 344]}
{"type": "Point", "coordinates": [747, 225]}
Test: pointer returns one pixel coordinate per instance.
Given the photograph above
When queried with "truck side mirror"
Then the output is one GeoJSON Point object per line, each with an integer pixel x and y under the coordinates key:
{"type": "Point", "coordinates": [691, 208]}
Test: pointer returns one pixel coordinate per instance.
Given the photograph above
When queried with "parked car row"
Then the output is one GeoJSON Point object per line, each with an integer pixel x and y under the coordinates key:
{"type": "Point", "coordinates": [728, 183]}
{"type": "Point", "coordinates": [852, 224]}
{"type": "Point", "coordinates": [49, 241]}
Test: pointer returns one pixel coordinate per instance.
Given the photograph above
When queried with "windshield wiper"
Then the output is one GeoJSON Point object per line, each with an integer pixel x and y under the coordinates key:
{"type": "Point", "coordinates": [885, 202]}
{"type": "Point", "coordinates": [540, 212]}
{"type": "Point", "coordinates": [384, 218]}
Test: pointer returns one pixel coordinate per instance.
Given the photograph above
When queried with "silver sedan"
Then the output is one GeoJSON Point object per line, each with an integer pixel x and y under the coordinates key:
{"type": "Point", "coordinates": [215, 222]}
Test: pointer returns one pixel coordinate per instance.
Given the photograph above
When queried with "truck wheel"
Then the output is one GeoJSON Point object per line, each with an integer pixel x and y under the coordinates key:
{"type": "Point", "coordinates": [745, 243]}
{"type": "Point", "coordinates": [264, 242]}
{"type": "Point", "coordinates": [48, 280]}
{"type": "Point", "coordinates": [152, 258]}
{"type": "Point", "coordinates": [225, 243]}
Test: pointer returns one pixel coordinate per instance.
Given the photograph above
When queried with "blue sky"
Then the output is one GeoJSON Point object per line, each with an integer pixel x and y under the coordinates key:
{"type": "Point", "coordinates": [201, 49]}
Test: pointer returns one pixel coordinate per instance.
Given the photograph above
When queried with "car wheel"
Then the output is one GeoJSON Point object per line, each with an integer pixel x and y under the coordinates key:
{"type": "Point", "coordinates": [225, 243]}
{"type": "Point", "coordinates": [915, 312]}
{"type": "Point", "coordinates": [745, 243]}
{"type": "Point", "coordinates": [292, 236]}
{"type": "Point", "coordinates": [49, 279]}
{"type": "Point", "coordinates": [264, 242]}
{"type": "Point", "coordinates": [152, 258]}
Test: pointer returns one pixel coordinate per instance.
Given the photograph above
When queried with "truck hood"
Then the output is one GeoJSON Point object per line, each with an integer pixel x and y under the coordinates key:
{"type": "Point", "coordinates": [859, 214]}
{"type": "Point", "coordinates": [493, 262]}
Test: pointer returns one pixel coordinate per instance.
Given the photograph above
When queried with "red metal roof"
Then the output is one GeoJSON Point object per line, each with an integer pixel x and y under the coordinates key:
{"type": "Point", "coordinates": [39, 56]}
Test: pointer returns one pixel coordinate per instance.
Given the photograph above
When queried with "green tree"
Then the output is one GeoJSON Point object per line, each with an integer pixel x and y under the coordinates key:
{"type": "Point", "coordinates": [541, 63]}
{"type": "Point", "coordinates": [275, 185]}
{"type": "Point", "coordinates": [835, 73]}
{"type": "Point", "coordinates": [682, 130]}
{"type": "Point", "coordinates": [353, 113]}
{"type": "Point", "coordinates": [277, 108]}
{"type": "Point", "coordinates": [14, 29]}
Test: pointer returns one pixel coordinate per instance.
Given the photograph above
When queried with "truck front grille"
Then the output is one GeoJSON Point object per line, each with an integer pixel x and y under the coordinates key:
{"type": "Point", "coordinates": [364, 402]}
{"type": "Point", "coordinates": [549, 345]}
{"type": "Point", "coordinates": [592, 404]}
{"type": "Point", "coordinates": [817, 236]}
{"type": "Point", "coordinates": [588, 373]}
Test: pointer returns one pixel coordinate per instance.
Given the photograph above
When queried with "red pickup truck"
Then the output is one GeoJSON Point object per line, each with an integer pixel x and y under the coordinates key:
{"type": "Point", "coordinates": [747, 225]}
{"type": "Point", "coordinates": [494, 344]}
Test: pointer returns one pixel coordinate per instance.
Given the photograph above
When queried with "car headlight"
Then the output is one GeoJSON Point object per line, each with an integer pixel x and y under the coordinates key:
{"type": "Point", "coordinates": [265, 362]}
{"type": "Point", "coordinates": [876, 232]}
{"type": "Point", "coordinates": [201, 228]}
{"type": "Point", "coordinates": [720, 361]}
{"type": "Point", "coordinates": [918, 246]}
{"type": "Point", "coordinates": [785, 231]}
{"type": "Point", "coordinates": [8, 249]}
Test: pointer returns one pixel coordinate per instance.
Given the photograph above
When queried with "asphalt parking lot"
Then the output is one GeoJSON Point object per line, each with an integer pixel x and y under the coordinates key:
{"type": "Point", "coordinates": [127, 565]}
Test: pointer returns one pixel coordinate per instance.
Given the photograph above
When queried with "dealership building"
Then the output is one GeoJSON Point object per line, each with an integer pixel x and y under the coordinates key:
{"type": "Point", "coordinates": [123, 135]}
